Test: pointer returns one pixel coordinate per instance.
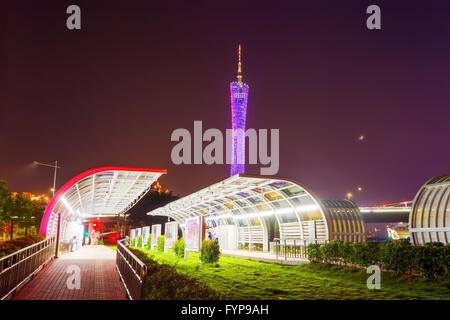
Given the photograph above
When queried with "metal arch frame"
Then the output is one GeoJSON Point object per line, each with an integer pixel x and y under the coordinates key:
{"type": "Point", "coordinates": [322, 209]}
{"type": "Point", "coordinates": [213, 199]}
{"type": "Point", "coordinates": [261, 220]}
{"type": "Point", "coordinates": [72, 185]}
{"type": "Point", "coordinates": [183, 208]}
{"type": "Point", "coordinates": [427, 195]}
{"type": "Point", "coordinates": [345, 213]}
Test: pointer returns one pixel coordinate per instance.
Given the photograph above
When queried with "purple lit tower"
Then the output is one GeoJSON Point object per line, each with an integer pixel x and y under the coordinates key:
{"type": "Point", "coordinates": [239, 97]}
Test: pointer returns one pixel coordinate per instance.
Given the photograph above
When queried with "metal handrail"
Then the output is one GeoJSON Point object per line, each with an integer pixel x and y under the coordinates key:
{"type": "Point", "coordinates": [293, 248]}
{"type": "Point", "coordinates": [19, 266]}
{"type": "Point", "coordinates": [132, 271]}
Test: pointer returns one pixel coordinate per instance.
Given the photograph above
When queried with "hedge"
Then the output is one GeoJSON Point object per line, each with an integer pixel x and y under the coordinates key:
{"type": "Point", "coordinates": [163, 282]}
{"type": "Point", "coordinates": [149, 242]}
{"type": "Point", "coordinates": [179, 248]}
{"type": "Point", "coordinates": [161, 243]}
{"type": "Point", "coordinates": [11, 246]}
{"type": "Point", "coordinates": [431, 261]}
{"type": "Point", "coordinates": [210, 251]}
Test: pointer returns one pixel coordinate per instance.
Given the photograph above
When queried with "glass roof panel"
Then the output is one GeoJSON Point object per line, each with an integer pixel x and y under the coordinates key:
{"type": "Point", "coordinates": [273, 196]}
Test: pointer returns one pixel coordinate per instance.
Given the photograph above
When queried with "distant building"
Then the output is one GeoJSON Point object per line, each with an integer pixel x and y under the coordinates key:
{"type": "Point", "coordinates": [33, 197]}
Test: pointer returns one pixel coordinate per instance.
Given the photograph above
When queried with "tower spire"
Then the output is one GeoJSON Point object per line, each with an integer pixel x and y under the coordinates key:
{"type": "Point", "coordinates": [239, 75]}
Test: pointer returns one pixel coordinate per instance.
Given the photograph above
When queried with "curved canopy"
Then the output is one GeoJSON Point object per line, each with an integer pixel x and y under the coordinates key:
{"type": "Point", "coordinates": [96, 192]}
{"type": "Point", "coordinates": [429, 220]}
{"type": "Point", "coordinates": [245, 200]}
{"type": "Point", "coordinates": [345, 220]}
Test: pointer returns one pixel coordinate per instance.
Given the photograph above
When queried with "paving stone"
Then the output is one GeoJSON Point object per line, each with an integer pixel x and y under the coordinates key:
{"type": "Point", "coordinates": [99, 278]}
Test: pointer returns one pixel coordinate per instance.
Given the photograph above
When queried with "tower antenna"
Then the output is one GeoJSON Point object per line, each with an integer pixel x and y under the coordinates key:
{"type": "Point", "coordinates": [239, 75]}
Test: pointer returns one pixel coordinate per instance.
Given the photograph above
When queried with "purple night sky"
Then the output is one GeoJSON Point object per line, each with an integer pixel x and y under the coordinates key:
{"type": "Point", "coordinates": [113, 92]}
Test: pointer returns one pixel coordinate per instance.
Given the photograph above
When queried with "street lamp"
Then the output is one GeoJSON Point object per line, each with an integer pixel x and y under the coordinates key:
{"type": "Point", "coordinates": [55, 166]}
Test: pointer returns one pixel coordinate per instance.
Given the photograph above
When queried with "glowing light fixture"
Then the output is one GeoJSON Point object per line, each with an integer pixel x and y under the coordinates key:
{"type": "Point", "coordinates": [267, 213]}
{"type": "Point", "coordinates": [67, 205]}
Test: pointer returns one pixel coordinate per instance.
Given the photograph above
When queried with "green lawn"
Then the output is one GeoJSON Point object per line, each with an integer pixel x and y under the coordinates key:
{"type": "Point", "coordinates": [112, 247]}
{"type": "Point", "coordinates": [245, 279]}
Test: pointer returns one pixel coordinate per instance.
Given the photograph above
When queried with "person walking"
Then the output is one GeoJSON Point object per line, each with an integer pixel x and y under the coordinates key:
{"type": "Point", "coordinates": [97, 237]}
{"type": "Point", "coordinates": [73, 242]}
{"type": "Point", "coordinates": [92, 242]}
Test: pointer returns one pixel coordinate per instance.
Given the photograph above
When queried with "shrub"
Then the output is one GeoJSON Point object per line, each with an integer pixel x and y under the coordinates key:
{"type": "Point", "coordinates": [314, 252]}
{"type": "Point", "coordinates": [33, 237]}
{"type": "Point", "coordinates": [149, 242]}
{"type": "Point", "coordinates": [133, 243]}
{"type": "Point", "coordinates": [139, 243]}
{"type": "Point", "coordinates": [365, 254]}
{"type": "Point", "coordinates": [164, 283]}
{"type": "Point", "coordinates": [347, 253]}
{"type": "Point", "coordinates": [331, 251]}
{"type": "Point", "coordinates": [8, 248]}
{"type": "Point", "coordinates": [399, 257]}
{"type": "Point", "coordinates": [179, 248]}
{"type": "Point", "coordinates": [431, 261]}
{"type": "Point", "coordinates": [11, 246]}
{"type": "Point", "coordinates": [161, 243]}
{"type": "Point", "coordinates": [210, 251]}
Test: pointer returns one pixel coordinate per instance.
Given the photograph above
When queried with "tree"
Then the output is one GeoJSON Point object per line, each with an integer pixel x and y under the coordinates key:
{"type": "Point", "coordinates": [7, 207]}
{"type": "Point", "coordinates": [16, 209]}
{"type": "Point", "coordinates": [25, 210]}
{"type": "Point", "coordinates": [154, 199]}
{"type": "Point", "coordinates": [4, 195]}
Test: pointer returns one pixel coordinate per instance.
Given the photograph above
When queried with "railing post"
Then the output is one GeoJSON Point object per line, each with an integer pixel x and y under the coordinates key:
{"type": "Point", "coordinates": [132, 271]}
{"type": "Point", "coordinates": [304, 248]}
{"type": "Point", "coordinates": [295, 250]}
{"type": "Point", "coordinates": [276, 250]}
{"type": "Point", "coordinates": [57, 236]}
{"type": "Point", "coordinates": [19, 266]}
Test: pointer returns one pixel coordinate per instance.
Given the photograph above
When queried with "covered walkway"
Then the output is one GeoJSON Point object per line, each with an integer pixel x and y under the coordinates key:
{"type": "Point", "coordinates": [99, 278]}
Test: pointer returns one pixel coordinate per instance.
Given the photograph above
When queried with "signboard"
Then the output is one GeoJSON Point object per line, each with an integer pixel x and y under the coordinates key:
{"type": "Point", "coordinates": [156, 233]}
{"type": "Point", "coordinates": [145, 236]}
{"type": "Point", "coordinates": [194, 231]}
{"type": "Point", "coordinates": [171, 235]}
{"type": "Point", "coordinates": [132, 235]}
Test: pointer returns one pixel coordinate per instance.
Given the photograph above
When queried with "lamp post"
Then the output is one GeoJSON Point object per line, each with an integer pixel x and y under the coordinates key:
{"type": "Point", "coordinates": [54, 166]}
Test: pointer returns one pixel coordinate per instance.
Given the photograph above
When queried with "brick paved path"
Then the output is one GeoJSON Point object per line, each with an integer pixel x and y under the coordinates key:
{"type": "Point", "coordinates": [99, 278]}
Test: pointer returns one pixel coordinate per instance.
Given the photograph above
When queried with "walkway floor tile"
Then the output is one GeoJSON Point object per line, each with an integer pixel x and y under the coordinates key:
{"type": "Point", "coordinates": [99, 278]}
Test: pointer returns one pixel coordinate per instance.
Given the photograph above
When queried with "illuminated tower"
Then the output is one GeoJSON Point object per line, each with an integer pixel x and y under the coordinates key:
{"type": "Point", "coordinates": [239, 97]}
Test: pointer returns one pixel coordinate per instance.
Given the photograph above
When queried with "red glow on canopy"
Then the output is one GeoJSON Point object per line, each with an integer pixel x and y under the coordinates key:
{"type": "Point", "coordinates": [79, 177]}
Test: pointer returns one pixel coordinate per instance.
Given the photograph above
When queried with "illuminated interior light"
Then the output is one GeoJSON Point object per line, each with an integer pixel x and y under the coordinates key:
{"type": "Point", "coordinates": [66, 203]}
{"type": "Point", "coordinates": [267, 213]}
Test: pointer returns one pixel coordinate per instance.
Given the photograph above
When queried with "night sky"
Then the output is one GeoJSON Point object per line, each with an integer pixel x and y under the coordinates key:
{"type": "Point", "coordinates": [113, 92]}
